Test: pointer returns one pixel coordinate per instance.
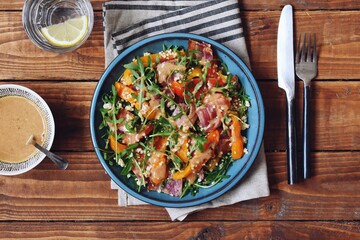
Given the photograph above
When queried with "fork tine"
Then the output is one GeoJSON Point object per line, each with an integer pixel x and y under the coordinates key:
{"type": "Point", "coordinates": [303, 49]}
{"type": "Point", "coordinates": [298, 53]}
{"type": "Point", "coordinates": [308, 57]}
{"type": "Point", "coordinates": [314, 51]}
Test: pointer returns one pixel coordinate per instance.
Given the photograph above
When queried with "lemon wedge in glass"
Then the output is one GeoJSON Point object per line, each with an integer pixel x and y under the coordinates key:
{"type": "Point", "coordinates": [68, 33]}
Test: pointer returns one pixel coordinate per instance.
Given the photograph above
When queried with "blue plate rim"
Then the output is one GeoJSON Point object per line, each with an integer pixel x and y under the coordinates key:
{"type": "Point", "coordinates": [243, 170]}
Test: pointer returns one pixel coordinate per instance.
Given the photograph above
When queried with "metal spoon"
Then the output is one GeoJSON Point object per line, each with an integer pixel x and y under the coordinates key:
{"type": "Point", "coordinates": [59, 161]}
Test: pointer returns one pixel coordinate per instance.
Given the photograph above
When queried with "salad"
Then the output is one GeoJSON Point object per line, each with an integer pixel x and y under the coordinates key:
{"type": "Point", "coordinates": [174, 119]}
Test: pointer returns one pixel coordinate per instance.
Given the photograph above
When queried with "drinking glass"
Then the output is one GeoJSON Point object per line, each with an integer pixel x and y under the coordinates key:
{"type": "Point", "coordinates": [38, 14]}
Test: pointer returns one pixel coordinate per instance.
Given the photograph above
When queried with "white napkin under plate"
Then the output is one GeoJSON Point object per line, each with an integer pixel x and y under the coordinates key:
{"type": "Point", "coordinates": [127, 22]}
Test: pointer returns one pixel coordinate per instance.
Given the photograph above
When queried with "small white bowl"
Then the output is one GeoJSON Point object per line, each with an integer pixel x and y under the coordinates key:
{"type": "Point", "coordinates": [22, 167]}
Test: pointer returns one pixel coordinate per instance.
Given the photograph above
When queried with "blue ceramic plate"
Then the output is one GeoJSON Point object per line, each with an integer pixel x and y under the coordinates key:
{"type": "Point", "coordinates": [255, 118]}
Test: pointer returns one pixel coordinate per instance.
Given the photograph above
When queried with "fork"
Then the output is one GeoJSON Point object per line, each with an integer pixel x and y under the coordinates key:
{"type": "Point", "coordinates": [306, 70]}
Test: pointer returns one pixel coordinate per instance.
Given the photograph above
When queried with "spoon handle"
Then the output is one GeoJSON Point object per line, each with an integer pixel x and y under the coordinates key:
{"type": "Point", "coordinates": [59, 161]}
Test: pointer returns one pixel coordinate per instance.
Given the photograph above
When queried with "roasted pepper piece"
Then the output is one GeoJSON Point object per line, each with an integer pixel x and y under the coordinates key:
{"type": "Point", "coordinates": [126, 78]}
{"type": "Point", "coordinates": [183, 173]}
{"type": "Point", "coordinates": [127, 94]}
{"type": "Point", "coordinates": [160, 143]}
{"type": "Point", "coordinates": [190, 86]}
{"type": "Point", "coordinates": [196, 72]}
{"type": "Point", "coordinates": [237, 145]}
{"type": "Point", "coordinates": [148, 111]}
{"type": "Point", "coordinates": [115, 145]}
{"type": "Point", "coordinates": [177, 88]}
{"type": "Point", "coordinates": [212, 82]}
{"type": "Point", "coordinates": [182, 153]}
{"type": "Point", "coordinates": [212, 137]}
{"type": "Point", "coordinates": [145, 59]}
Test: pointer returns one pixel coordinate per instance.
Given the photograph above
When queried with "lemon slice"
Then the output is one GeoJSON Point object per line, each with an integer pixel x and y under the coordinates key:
{"type": "Point", "coordinates": [68, 33]}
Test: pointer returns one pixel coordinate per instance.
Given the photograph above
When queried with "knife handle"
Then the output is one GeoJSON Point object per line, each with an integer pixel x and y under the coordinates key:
{"type": "Point", "coordinates": [306, 133]}
{"type": "Point", "coordinates": [292, 164]}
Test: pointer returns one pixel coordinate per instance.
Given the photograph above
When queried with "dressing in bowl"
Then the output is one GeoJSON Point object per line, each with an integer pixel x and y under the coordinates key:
{"type": "Point", "coordinates": [23, 113]}
{"type": "Point", "coordinates": [20, 118]}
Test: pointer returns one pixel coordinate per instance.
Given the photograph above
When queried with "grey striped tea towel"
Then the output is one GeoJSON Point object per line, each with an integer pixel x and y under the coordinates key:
{"type": "Point", "coordinates": [127, 22]}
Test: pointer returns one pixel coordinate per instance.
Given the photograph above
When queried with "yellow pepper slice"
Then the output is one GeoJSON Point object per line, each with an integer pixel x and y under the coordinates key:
{"type": "Point", "coordinates": [183, 174]}
{"type": "Point", "coordinates": [115, 145]}
{"type": "Point", "coordinates": [237, 145]}
{"type": "Point", "coordinates": [145, 59]}
{"type": "Point", "coordinates": [126, 79]}
{"type": "Point", "coordinates": [196, 72]}
{"type": "Point", "coordinates": [182, 153]}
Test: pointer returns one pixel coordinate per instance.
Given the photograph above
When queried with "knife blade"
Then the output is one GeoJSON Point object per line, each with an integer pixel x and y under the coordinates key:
{"type": "Point", "coordinates": [286, 81]}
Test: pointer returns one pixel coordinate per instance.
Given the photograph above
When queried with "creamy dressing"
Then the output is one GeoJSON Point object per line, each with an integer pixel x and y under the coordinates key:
{"type": "Point", "coordinates": [19, 119]}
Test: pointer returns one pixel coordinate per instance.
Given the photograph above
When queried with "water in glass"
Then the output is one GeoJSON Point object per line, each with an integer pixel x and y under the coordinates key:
{"type": "Point", "coordinates": [38, 15]}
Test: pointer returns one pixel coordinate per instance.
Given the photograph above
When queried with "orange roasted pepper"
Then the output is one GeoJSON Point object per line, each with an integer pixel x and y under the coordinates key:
{"type": "Point", "coordinates": [212, 138]}
{"type": "Point", "coordinates": [149, 112]}
{"type": "Point", "coordinates": [126, 79]}
{"type": "Point", "coordinates": [115, 145]}
{"type": "Point", "coordinates": [182, 153]}
{"type": "Point", "coordinates": [145, 59]}
{"type": "Point", "coordinates": [237, 145]}
{"type": "Point", "coordinates": [130, 95]}
{"type": "Point", "coordinates": [177, 88]}
{"type": "Point", "coordinates": [160, 143]}
{"type": "Point", "coordinates": [127, 94]}
{"type": "Point", "coordinates": [183, 173]}
{"type": "Point", "coordinates": [196, 72]}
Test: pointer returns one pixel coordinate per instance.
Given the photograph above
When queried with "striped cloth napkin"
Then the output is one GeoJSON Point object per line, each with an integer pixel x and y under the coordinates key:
{"type": "Point", "coordinates": [127, 22]}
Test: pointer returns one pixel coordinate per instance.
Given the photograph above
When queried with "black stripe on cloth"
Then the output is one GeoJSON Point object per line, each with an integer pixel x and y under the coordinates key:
{"type": "Point", "coordinates": [175, 23]}
{"type": "Point", "coordinates": [219, 31]}
{"type": "Point", "coordinates": [230, 38]}
{"type": "Point", "coordinates": [143, 7]}
{"type": "Point", "coordinates": [168, 15]}
{"type": "Point", "coordinates": [216, 22]}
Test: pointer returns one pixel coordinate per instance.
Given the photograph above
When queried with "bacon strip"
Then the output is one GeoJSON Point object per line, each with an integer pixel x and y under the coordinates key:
{"type": "Point", "coordinates": [206, 53]}
{"type": "Point", "coordinates": [212, 113]}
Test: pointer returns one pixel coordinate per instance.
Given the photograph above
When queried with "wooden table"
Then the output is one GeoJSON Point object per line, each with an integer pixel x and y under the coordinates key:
{"type": "Point", "coordinates": [78, 203]}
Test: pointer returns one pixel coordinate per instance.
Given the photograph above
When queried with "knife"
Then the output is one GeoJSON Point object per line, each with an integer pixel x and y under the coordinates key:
{"type": "Point", "coordinates": [286, 81]}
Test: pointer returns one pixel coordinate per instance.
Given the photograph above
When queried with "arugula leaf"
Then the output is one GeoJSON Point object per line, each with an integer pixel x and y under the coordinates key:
{"type": "Point", "coordinates": [199, 142]}
{"type": "Point", "coordinates": [131, 66]}
{"type": "Point", "coordinates": [127, 168]}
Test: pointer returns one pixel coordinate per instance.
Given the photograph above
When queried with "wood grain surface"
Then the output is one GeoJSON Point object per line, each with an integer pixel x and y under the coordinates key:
{"type": "Point", "coordinates": [337, 40]}
{"type": "Point", "coordinates": [192, 230]}
{"type": "Point", "coordinates": [82, 193]}
{"type": "Point", "coordinates": [47, 203]}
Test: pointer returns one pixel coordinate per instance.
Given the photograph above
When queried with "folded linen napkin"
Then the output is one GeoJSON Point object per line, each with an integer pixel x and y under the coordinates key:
{"type": "Point", "coordinates": [127, 22]}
